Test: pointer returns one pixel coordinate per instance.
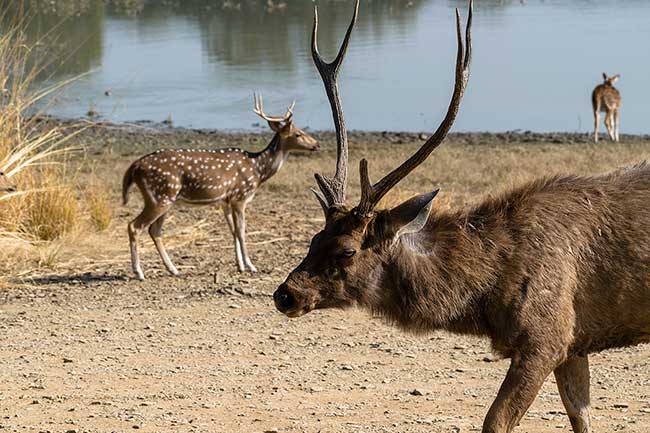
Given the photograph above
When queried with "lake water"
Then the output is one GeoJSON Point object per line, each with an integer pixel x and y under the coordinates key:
{"type": "Point", "coordinates": [199, 61]}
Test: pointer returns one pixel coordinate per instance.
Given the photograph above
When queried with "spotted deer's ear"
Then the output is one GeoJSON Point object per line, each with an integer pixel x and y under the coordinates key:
{"type": "Point", "coordinates": [412, 215]}
{"type": "Point", "coordinates": [615, 78]}
{"type": "Point", "coordinates": [604, 76]}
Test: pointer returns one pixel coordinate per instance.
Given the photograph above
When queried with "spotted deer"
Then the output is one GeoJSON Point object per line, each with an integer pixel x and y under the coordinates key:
{"type": "Point", "coordinates": [5, 184]}
{"type": "Point", "coordinates": [228, 177]}
{"type": "Point", "coordinates": [607, 99]}
{"type": "Point", "coordinates": [550, 271]}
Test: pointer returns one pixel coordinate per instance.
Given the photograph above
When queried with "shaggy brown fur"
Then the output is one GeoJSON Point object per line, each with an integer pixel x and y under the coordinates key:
{"type": "Point", "coordinates": [550, 272]}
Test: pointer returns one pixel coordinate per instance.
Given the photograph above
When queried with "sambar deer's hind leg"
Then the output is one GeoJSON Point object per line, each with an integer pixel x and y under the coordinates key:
{"type": "Point", "coordinates": [520, 387]}
{"type": "Point", "coordinates": [573, 383]}
{"type": "Point", "coordinates": [149, 214]}
{"type": "Point", "coordinates": [155, 231]}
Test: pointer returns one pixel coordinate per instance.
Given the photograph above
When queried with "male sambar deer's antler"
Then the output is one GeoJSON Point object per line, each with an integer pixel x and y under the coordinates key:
{"type": "Point", "coordinates": [372, 194]}
{"type": "Point", "coordinates": [333, 190]}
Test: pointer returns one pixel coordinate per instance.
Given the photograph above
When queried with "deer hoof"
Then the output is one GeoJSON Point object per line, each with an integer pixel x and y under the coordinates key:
{"type": "Point", "coordinates": [252, 268]}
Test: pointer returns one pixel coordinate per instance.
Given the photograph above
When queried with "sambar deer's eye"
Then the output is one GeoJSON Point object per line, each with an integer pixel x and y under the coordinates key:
{"type": "Point", "coordinates": [347, 253]}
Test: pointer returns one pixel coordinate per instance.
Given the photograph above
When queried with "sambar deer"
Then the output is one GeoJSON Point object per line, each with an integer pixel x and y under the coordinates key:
{"type": "Point", "coordinates": [551, 271]}
{"type": "Point", "coordinates": [228, 177]}
{"type": "Point", "coordinates": [607, 99]}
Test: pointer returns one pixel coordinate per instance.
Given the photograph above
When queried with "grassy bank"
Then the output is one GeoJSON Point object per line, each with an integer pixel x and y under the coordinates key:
{"type": "Point", "coordinates": [467, 168]}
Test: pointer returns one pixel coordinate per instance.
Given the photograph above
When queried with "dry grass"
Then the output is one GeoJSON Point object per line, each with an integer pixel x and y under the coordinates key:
{"type": "Point", "coordinates": [36, 157]}
{"type": "Point", "coordinates": [98, 204]}
{"type": "Point", "coordinates": [465, 173]}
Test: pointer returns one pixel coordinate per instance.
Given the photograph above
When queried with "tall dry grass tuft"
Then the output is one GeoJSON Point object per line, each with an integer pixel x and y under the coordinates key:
{"type": "Point", "coordinates": [34, 157]}
{"type": "Point", "coordinates": [98, 204]}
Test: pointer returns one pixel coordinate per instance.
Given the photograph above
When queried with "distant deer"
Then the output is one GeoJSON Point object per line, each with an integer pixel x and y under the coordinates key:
{"type": "Point", "coordinates": [5, 184]}
{"type": "Point", "coordinates": [606, 98]}
{"type": "Point", "coordinates": [550, 271]}
{"type": "Point", "coordinates": [228, 177]}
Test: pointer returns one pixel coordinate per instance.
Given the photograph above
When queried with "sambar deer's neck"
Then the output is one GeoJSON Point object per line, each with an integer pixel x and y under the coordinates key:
{"type": "Point", "coordinates": [436, 279]}
{"type": "Point", "coordinates": [270, 160]}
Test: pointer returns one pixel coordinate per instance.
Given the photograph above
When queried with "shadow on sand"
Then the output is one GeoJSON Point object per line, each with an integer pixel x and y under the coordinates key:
{"type": "Point", "coordinates": [85, 278]}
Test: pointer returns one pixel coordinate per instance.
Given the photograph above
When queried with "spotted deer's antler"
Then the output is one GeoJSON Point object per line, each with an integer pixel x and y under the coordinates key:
{"type": "Point", "coordinates": [372, 194]}
{"type": "Point", "coordinates": [333, 190]}
{"type": "Point", "coordinates": [257, 109]}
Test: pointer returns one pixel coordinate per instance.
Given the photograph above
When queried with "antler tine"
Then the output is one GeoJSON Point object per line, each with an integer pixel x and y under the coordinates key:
{"type": "Point", "coordinates": [257, 106]}
{"type": "Point", "coordinates": [372, 194]}
{"type": "Point", "coordinates": [258, 109]}
{"type": "Point", "coordinates": [289, 114]}
{"type": "Point", "coordinates": [334, 189]}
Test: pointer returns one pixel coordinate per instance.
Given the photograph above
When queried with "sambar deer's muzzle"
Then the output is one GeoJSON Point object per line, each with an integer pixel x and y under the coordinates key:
{"type": "Point", "coordinates": [284, 300]}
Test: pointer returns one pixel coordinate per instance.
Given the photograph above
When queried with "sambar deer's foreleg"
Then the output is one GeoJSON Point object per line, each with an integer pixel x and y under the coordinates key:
{"type": "Point", "coordinates": [239, 216]}
{"type": "Point", "coordinates": [155, 231]}
{"type": "Point", "coordinates": [149, 214]}
{"type": "Point", "coordinates": [573, 383]}
{"type": "Point", "coordinates": [228, 214]}
{"type": "Point", "coordinates": [518, 390]}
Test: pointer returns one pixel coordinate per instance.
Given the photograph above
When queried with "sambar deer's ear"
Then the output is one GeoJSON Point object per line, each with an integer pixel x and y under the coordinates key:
{"type": "Point", "coordinates": [275, 126]}
{"type": "Point", "coordinates": [412, 215]}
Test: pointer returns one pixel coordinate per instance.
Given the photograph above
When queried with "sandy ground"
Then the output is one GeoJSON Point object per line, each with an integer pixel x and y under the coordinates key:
{"type": "Point", "coordinates": [85, 348]}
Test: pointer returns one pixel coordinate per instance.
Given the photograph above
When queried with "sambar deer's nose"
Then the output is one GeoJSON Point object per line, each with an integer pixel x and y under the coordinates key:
{"type": "Point", "coordinates": [283, 298]}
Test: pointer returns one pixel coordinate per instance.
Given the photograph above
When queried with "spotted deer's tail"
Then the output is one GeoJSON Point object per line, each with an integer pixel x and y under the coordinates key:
{"type": "Point", "coordinates": [127, 182]}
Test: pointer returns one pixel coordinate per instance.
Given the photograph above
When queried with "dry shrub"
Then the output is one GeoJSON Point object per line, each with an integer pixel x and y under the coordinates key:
{"type": "Point", "coordinates": [33, 155]}
{"type": "Point", "coordinates": [98, 203]}
{"type": "Point", "coordinates": [52, 213]}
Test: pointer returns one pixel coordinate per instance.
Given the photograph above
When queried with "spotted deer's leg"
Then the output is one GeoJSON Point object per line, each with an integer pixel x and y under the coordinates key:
{"type": "Point", "coordinates": [596, 123]}
{"type": "Point", "coordinates": [573, 383]}
{"type": "Point", "coordinates": [149, 214]}
{"type": "Point", "coordinates": [608, 124]}
{"type": "Point", "coordinates": [155, 231]}
{"type": "Point", "coordinates": [239, 215]}
{"type": "Point", "coordinates": [228, 213]}
{"type": "Point", "coordinates": [520, 387]}
{"type": "Point", "coordinates": [616, 125]}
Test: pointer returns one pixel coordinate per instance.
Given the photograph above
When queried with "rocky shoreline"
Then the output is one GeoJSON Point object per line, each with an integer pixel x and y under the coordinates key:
{"type": "Point", "coordinates": [102, 133]}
